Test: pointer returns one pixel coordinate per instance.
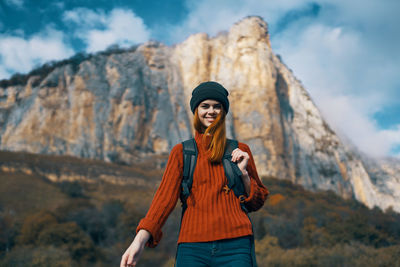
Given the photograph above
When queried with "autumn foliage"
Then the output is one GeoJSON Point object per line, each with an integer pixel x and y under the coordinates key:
{"type": "Point", "coordinates": [82, 224]}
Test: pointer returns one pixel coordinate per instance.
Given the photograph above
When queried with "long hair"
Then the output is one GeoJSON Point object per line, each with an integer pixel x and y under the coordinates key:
{"type": "Point", "coordinates": [217, 131]}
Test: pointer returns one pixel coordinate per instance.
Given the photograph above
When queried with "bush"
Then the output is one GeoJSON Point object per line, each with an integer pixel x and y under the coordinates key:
{"type": "Point", "coordinates": [69, 236]}
{"type": "Point", "coordinates": [33, 225]}
{"type": "Point", "coordinates": [8, 232]}
{"type": "Point", "coordinates": [38, 257]}
{"type": "Point", "coordinates": [72, 189]}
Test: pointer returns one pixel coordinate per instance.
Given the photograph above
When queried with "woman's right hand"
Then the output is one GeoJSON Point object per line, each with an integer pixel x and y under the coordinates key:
{"type": "Point", "coordinates": [134, 251]}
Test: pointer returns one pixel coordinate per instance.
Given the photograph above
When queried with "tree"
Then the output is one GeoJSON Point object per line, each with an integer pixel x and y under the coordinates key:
{"type": "Point", "coordinates": [71, 237]}
{"type": "Point", "coordinates": [33, 225]}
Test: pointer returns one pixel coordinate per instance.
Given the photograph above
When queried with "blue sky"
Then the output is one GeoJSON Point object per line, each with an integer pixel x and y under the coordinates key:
{"type": "Point", "coordinates": [345, 52]}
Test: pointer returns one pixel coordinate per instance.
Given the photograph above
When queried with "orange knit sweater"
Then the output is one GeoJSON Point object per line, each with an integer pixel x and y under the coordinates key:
{"type": "Point", "coordinates": [211, 213]}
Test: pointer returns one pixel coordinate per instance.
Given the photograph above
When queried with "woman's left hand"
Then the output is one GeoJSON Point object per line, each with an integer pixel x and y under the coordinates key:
{"type": "Point", "coordinates": [241, 158]}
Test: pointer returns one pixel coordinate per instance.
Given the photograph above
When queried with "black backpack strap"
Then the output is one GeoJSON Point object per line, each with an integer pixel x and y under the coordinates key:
{"type": "Point", "coordinates": [189, 164]}
{"type": "Point", "coordinates": [233, 173]}
{"type": "Point", "coordinates": [231, 169]}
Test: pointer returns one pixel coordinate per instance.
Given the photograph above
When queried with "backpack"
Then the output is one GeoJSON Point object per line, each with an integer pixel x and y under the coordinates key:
{"type": "Point", "coordinates": [232, 172]}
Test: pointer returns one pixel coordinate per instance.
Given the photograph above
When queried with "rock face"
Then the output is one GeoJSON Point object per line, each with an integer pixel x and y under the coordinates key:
{"type": "Point", "coordinates": [122, 107]}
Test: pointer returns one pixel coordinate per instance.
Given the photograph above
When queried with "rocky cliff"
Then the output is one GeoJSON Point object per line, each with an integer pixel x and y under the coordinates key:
{"type": "Point", "coordinates": [123, 107]}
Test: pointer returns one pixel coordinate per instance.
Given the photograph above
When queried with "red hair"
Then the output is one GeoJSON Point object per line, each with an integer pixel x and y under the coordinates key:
{"type": "Point", "coordinates": [217, 131]}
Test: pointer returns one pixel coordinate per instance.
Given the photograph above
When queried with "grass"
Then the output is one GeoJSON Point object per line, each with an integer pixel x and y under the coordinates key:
{"type": "Point", "coordinates": [26, 194]}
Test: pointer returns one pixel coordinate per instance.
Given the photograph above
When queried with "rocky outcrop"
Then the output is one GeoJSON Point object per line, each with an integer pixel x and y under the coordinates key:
{"type": "Point", "coordinates": [123, 107]}
{"type": "Point", "coordinates": [117, 107]}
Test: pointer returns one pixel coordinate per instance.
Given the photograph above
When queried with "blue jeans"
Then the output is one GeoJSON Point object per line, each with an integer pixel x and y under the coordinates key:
{"type": "Point", "coordinates": [235, 252]}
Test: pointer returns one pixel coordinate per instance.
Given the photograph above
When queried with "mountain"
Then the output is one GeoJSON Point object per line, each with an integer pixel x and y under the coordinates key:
{"type": "Point", "coordinates": [129, 105]}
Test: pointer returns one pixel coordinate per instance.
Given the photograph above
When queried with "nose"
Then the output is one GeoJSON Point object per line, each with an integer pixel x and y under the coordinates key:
{"type": "Point", "coordinates": [212, 110]}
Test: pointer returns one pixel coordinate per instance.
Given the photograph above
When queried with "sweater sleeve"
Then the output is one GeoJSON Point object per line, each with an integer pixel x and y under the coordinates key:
{"type": "Point", "coordinates": [258, 192]}
{"type": "Point", "coordinates": [165, 198]}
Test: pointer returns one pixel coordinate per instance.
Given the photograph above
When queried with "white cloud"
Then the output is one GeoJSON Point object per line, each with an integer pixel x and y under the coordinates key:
{"type": "Point", "coordinates": [85, 18]}
{"type": "Point", "coordinates": [213, 16]}
{"type": "Point", "coordinates": [393, 135]}
{"type": "Point", "coordinates": [99, 30]}
{"type": "Point", "coordinates": [346, 118]}
{"type": "Point", "coordinates": [346, 79]}
{"type": "Point", "coordinates": [200, 19]}
{"type": "Point", "coordinates": [19, 54]}
{"type": "Point", "coordinates": [59, 5]}
{"type": "Point", "coordinates": [4, 73]}
{"type": "Point", "coordinates": [15, 3]}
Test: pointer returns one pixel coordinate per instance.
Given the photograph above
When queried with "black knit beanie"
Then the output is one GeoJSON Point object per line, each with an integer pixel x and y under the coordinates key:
{"type": "Point", "coordinates": [209, 90]}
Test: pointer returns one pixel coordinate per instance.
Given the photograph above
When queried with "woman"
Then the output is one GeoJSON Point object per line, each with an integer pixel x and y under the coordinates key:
{"type": "Point", "coordinates": [215, 231]}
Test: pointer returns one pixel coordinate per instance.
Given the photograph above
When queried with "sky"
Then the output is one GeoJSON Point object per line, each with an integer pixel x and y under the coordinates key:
{"type": "Point", "coordinates": [345, 52]}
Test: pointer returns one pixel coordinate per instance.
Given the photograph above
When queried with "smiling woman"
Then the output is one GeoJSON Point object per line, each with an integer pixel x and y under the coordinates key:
{"type": "Point", "coordinates": [217, 181]}
{"type": "Point", "coordinates": [208, 111]}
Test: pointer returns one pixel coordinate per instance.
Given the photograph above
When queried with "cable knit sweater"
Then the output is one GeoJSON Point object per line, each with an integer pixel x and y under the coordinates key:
{"type": "Point", "coordinates": [211, 214]}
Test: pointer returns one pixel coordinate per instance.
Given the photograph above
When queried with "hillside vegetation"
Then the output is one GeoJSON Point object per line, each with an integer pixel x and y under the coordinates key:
{"type": "Point", "coordinates": [81, 223]}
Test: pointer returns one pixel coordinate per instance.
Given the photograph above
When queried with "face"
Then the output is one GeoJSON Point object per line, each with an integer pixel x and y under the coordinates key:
{"type": "Point", "coordinates": [208, 111]}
